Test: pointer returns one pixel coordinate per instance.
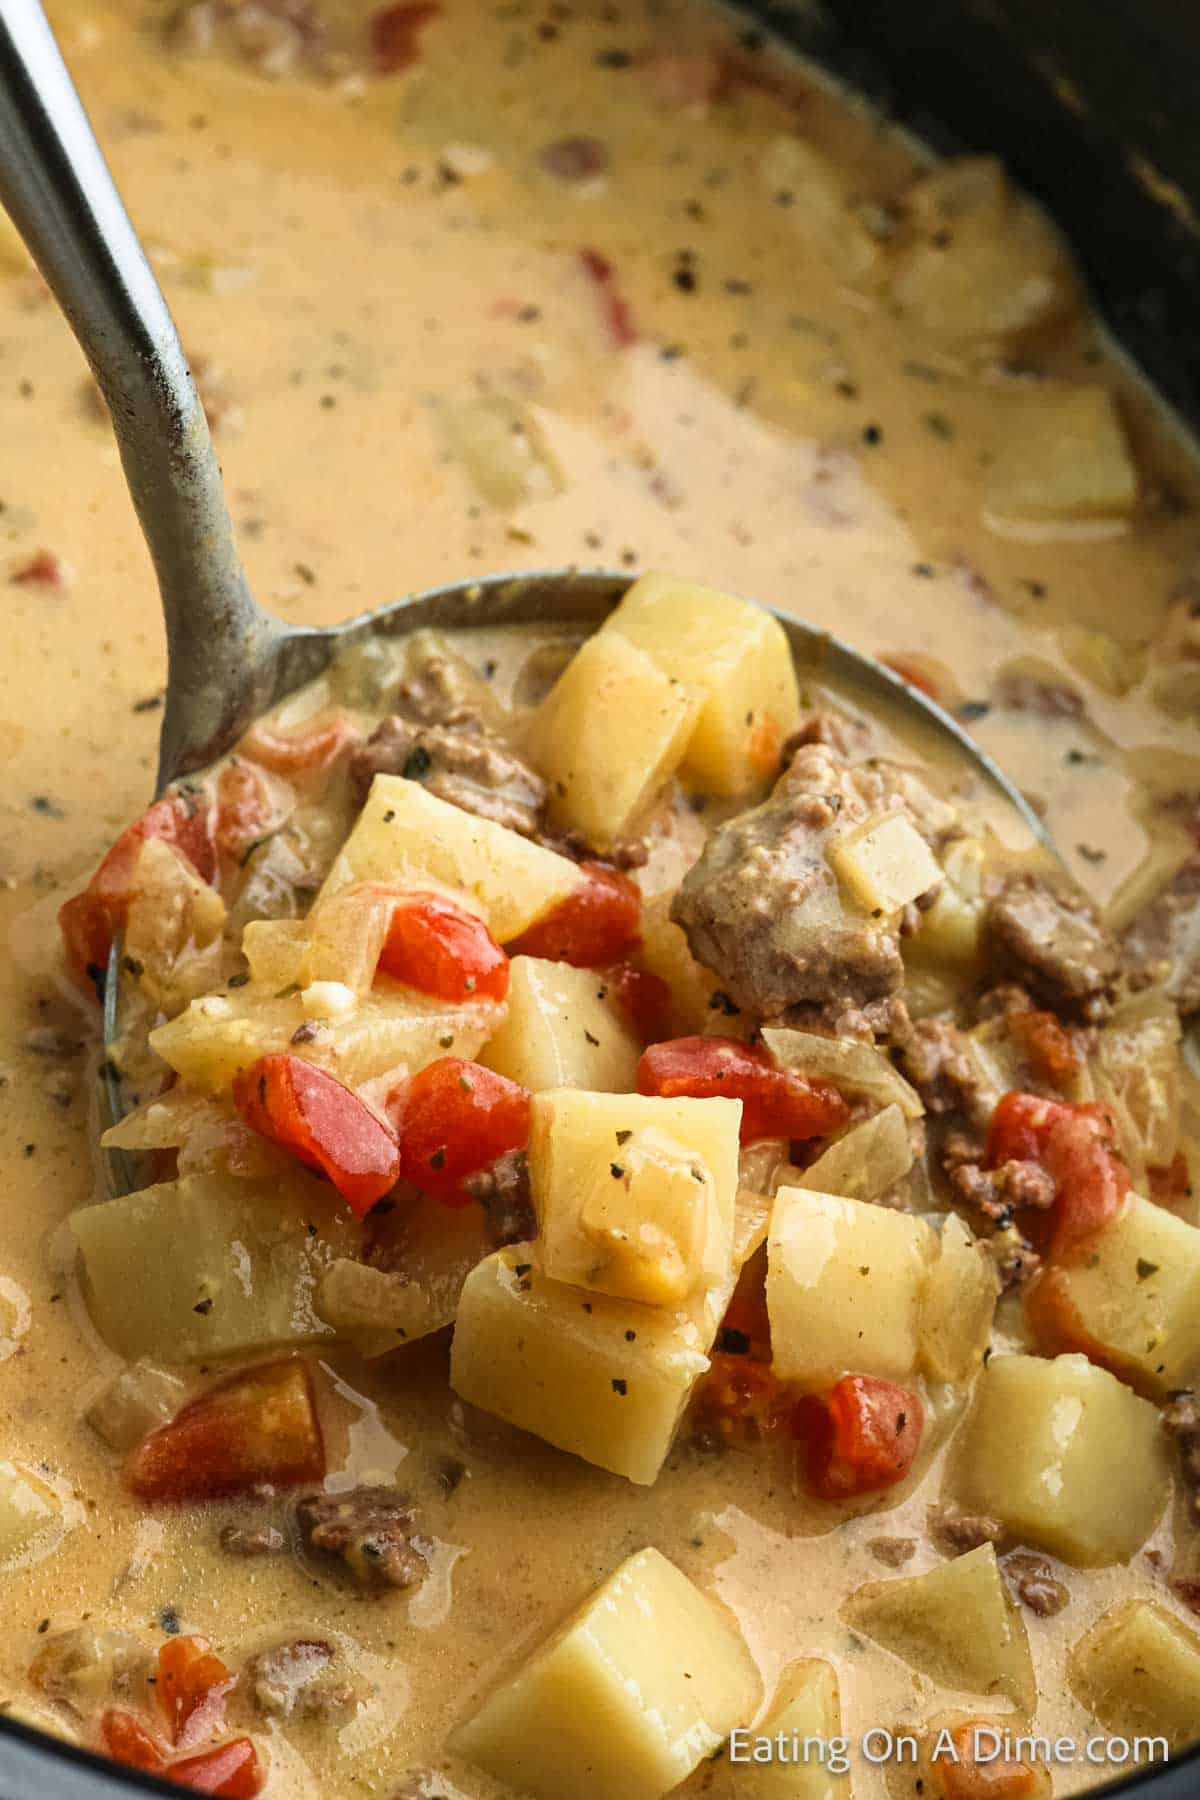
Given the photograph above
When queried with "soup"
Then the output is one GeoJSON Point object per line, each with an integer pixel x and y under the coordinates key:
{"type": "Point", "coordinates": [801, 363]}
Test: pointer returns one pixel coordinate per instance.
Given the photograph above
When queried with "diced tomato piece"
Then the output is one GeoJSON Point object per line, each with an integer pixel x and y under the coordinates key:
{"type": "Point", "coordinates": [90, 921]}
{"type": "Point", "coordinates": [644, 996]}
{"type": "Point", "coordinates": [300, 752]}
{"type": "Point", "coordinates": [233, 1771]}
{"type": "Point", "coordinates": [455, 1118]}
{"type": "Point", "coordinates": [743, 1398]}
{"type": "Point", "coordinates": [775, 1102]}
{"type": "Point", "coordinates": [322, 1123]}
{"type": "Point", "coordinates": [964, 1777]}
{"type": "Point", "coordinates": [128, 1741]}
{"type": "Point", "coordinates": [1075, 1145]}
{"type": "Point", "coordinates": [912, 670]}
{"type": "Point", "coordinates": [860, 1437]}
{"type": "Point", "coordinates": [243, 807]}
{"type": "Point", "coordinates": [395, 31]}
{"type": "Point", "coordinates": [593, 926]}
{"type": "Point", "coordinates": [1047, 1045]}
{"type": "Point", "coordinates": [618, 314]}
{"type": "Point", "coordinates": [441, 948]}
{"type": "Point", "coordinates": [257, 1426]}
{"type": "Point", "coordinates": [191, 1688]}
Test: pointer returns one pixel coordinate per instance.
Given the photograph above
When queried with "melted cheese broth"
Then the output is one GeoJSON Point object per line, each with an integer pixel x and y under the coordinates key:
{"type": "Point", "coordinates": [359, 263]}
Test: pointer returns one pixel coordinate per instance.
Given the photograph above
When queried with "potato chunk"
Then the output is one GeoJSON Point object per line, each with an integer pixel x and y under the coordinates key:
{"type": "Point", "coordinates": [1062, 459]}
{"type": "Point", "coordinates": [1064, 1456]}
{"type": "Point", "coordinates": [635, 1195]}
{"type": "Point", "coordinates": [564, 1029]}
{"type": "Point", "coordinates": [844, 1287]}
{"type": "Point", "coordinates": [407, 836]}
{"type": "Point", "coordinates": [884, 863]}
{"type": "Point", "coordinates": [209, 1266]}
{"type": "Point", "coordinates": [958, 1305]}
{"type": "Point", "coordinates": [1138, 1670]}
{"type": "Point", "coordinates": [737, 656]}
{"type": "Point", "coordinates": [955, 1624]}
{"type": "Point", "coordinates": [340, 940]}
{"type": "Point", "coordinates": [605, 1379]}
{"type": "Point", "coordinates": [389, 1028]}
{"type": "Point", "coordinates": [806, 1708]}
{"type": "Point", "coordinates": [622, 1701]}
{"type": "Point", "coordinates": [1134, 1304]}
{"type": "Point", "coordinates": [609, 736]}
{"type": "Point", "coordinates": [174, 926]}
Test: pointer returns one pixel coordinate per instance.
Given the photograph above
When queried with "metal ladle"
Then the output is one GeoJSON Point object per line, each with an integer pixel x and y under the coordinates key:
{"type": "Point", "coordinates": [228, 658]}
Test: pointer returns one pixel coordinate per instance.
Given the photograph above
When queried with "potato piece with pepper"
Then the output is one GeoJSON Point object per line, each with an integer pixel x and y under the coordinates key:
{"type": "Point", "coordinates": [608, 737]}
{"type": "Point", "coordinates": [1138, 1670]}
{"type": "Point", "coordinates": [635, 1195]}
{"type": "Point", "coordinates": [410, 838]}
{"type": "Point", "coordinates": [1062, 458]}
{"type": "Point", "coordinates": [636, 1687]}
{"type": "Point", "coordinates": [737, 656]}
{"type": "Point", "coordinates": [564, 1028]}
{"type": "Point", "coordinates": [806, 1709]}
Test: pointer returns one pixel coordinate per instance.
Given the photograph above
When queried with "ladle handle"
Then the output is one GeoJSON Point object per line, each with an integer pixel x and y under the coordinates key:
{"type": "Point", "coordinates": [55, 184]}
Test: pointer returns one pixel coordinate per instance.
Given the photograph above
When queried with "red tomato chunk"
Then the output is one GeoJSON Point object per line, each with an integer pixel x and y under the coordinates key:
{"type": "Point", "coordinates": [300, 752]}
{"type": "Point", "coordinates": [90, 921]}
{"type": "Point", "coordinates": [860, 1437]}
{"type": "Point", "coordinates": [1075, 1145]}
{"type": "Point", "coordinates": [644, 997]}
{"type": "Point", "coordinates": [454, 1119]}
{"type": "Point", "coordinates": [775, 1102]}
{"type": "Point", "coordinates": [257, 1426]}
{"type": "Point", "coordinates": [322, 1124]}
{"type": "Point", "coordinates": [593, 926]}
{"type": "Point", "coordinates": [232, 1771]}
{"type": "Point", "coordinates": [441, 949]}
{"type": "Point", "coordinates": [191, 1689]}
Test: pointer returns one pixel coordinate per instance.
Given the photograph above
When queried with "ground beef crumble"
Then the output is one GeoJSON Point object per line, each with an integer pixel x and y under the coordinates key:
{"type": "Point", "coordinates": [1050, 938]}
{"type": "Point", "coordinates": [371, 1530]}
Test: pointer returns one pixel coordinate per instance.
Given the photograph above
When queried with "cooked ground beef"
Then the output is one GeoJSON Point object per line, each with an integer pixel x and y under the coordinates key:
{"type": "Point", "coordinates": [953, 1532]}
{"type": "Point", "coordinates": [1163, 942]}
{"type": "Point", "coordinates": [894, 1552]}
{"type": "Point", "coordinates": [460, 763]}
{"type": "Point", "coordinates": [937, 1061]}
{"type": "Point", "coordinates": [440, 688]}
{"type": "Point", "coordinates": [761, 907]}
{"type": "Point", "coordinates": [1001, 1192]}
{"type": "Point", "coordinates": [1051, 939]}
{"type": "Point", "coordinates": [294, 1680]}
{"type": "Point", "coordinates": [837, 731]}
{"type": "Point", "coordinates": [1035, 1584]}
{"type": "Point", "coordinates": [503, 1192]}
{"type": "Point", "coordinates": [1181, 1418]}
{"type": "Point", "coordinates": [371, 1529]}
{"type": "Point", "coordinates": [252, 1540]}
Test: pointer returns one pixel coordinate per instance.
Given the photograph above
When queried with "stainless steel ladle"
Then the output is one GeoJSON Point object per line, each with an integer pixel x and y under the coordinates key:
{"type": "Point", "coordinates": [228, 658]}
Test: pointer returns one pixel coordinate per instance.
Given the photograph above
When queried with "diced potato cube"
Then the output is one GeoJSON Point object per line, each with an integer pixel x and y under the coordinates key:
{"type": "Point", "coordinates": [806, 1709]}
{"type": "Point", "coordinates": [951, 930]}
{"type": "Point", "coordinates": [884, 863]}
{"type": "Point", "coordinates": [1064, 1456]}
{"type": "Point", "coordinates": [958, 1305]}
{"type": "Point", "coordinates": [33, 1517]}
{"type": "Point", "coordinates": [408, 837]}
{"type": "Point", "coordinates": [844, 1287]}
{"type": "Point", "coordinates": [955, 1624]}
{"type": "Point", "coordinates": [390, 1028]}
{"type": "Point", "coordinates": [1063, 458]}
{"type": "Point", "coordinates": [870, 1159]}
{"type": "Point", "coordinates": [609, 736]}
{"type": "Point", "coordinates": [564, 1028]}
{"type": "Point", "coordinates": [737, 656]}
{"type": "Point", "coordinates": [431, 1250]}
{"type": "Point", "coordinates": [634, 1194]}
{"type": "Point", "coordinates": [209, 1266]}
{"type": "Point", "coordinates": [276, 952]}
{"type": "Point", "coordinates": [134, 1403]}
{"type": "Point", "coordinates": [622, 1701]}
{"type": "Point", "coordinates": [1138, 1671]}
{"type": "Point", "coordinates": [1133, 1303]}
{"type": "Point", "coordinates": [605, 1379]}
